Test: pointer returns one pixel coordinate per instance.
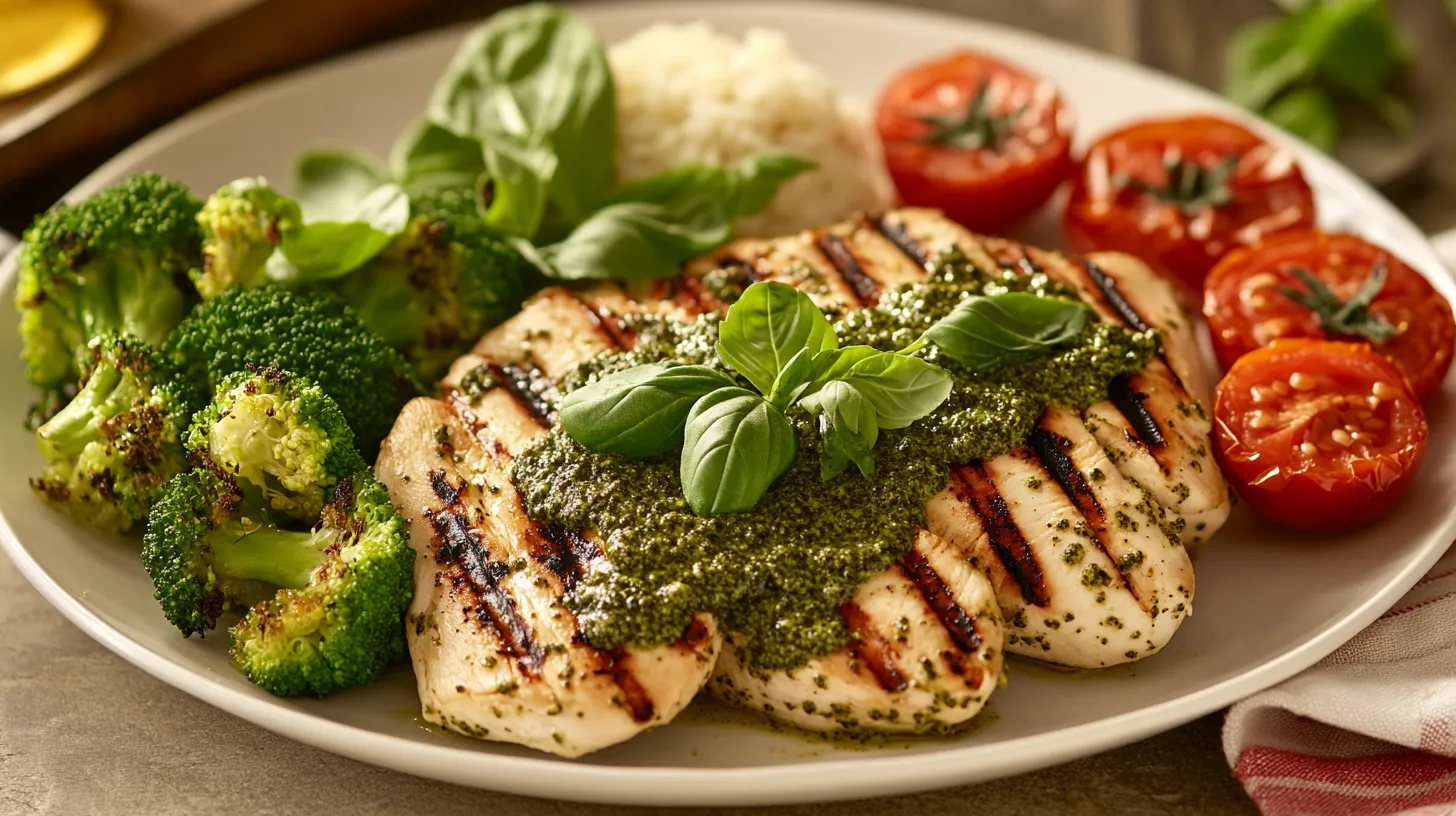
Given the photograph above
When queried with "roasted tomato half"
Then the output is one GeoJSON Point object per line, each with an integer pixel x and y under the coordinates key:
{"type": "Point", "coordinates": [1180, 193]}
{"type": "Point", "coordinates": [978, 138]}
{"type": "Point", "coordinates": [1314, 284]}
{"type": "Point", "coordinates": [1318, 434]}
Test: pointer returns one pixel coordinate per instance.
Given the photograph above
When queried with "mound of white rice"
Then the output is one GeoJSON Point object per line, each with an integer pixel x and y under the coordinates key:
{"type": "Point", "coordinates": [688, 95]}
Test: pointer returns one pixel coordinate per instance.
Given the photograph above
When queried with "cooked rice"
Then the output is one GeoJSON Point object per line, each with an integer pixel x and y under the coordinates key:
{"type": "Point", "coordinates": [688, 95]}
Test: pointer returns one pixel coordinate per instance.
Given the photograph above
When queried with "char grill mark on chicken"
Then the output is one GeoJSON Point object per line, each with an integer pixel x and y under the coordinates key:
{"type": "Point", "coordinates": [498, 654]}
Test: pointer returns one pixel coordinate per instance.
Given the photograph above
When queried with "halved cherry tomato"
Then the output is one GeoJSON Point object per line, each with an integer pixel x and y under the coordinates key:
{"type": "Point", "coordinates": [976, 137]}
{"type": "Point", "coordinates": [1407, 320]}
{"type": "Point", "coordinates": [1317, 434]}
{"type": "Point", "coordinates": [1179, 193]}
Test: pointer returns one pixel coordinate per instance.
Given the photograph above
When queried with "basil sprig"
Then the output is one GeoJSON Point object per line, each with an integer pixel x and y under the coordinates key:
{"type": "Point", "coordinates": [524, 119]}
{"type": "Point", "coordinates": [737, 441]}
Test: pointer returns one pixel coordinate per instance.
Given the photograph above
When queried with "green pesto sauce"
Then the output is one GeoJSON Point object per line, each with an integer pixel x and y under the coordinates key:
{"type": "Point", "coordinates": [777, 574]}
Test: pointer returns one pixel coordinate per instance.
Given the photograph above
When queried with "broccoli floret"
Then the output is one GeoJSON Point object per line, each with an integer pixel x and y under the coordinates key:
{"type": "Point", "coordinates": [112, 447]}
{"type": "Point", "coordinates": [116, 262]}
{"type": "Point", "coordinates": [312, 335]}
{"type": "Point", "coordinates": [438, 286]}
{"type": "Point", "coordinates": [241, 224]}
{"type": "Point", "coordinates": [327, 604]}
{"type": "Point", "coordinates": [281, 433]}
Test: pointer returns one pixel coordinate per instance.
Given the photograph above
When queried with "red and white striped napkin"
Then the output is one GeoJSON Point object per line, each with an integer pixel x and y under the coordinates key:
{"type": "Point", "coordinates": [1371, 729]}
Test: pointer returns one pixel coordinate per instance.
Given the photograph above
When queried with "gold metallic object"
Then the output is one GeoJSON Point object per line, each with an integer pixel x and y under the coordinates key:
{"type": "Point", "coordinates": [41, 40]}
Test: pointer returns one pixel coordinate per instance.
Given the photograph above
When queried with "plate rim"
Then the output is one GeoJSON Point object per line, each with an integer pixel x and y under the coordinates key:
{"type": "Point", "coordinates": [831, 779]}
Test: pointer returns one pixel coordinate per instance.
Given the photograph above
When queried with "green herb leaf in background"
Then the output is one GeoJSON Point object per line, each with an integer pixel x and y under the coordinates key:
{"type": "Point", "coordinates": [639, 411]}
{"type": "Point", "coordinates": [330, 185]}
{"type": "Point", "coordinates": [630, 241]}
{"type": "Point", "coordinates": [740, 189]}
{"type": "Point", "coordinates": [983, 333]}
{"type": "Point", "coordinates": [735, 445]}
{"type": "Point", "coordinates": [1295, 69]}
{"type": "Point", "coordinates": [322, 250]}
{"type": "Point", "coordinates": [1309, 112]}
{"type": "Point", "coordinates": [1262, 62]}
{"type": "Point", "coordinates": [534, 81]}
{"type": "Point", "coordinates": [652, 226]}
{"type": "Point", "coordinates": [428, 158]}
{"type": "Point", "coordinates": [513, 193]}
{"type": "Point", "coordinates": [850, 427]}
{"type": "Point", "coordinates": [767, 327]}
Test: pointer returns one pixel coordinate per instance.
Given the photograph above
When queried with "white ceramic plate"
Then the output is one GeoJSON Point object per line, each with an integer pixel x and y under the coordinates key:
{"type": "Point", "coordinates": [1269, 603]}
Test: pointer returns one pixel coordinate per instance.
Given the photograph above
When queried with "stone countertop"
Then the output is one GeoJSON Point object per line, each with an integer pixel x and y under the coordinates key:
{"type": "Point", "coordinates": [84, 732]}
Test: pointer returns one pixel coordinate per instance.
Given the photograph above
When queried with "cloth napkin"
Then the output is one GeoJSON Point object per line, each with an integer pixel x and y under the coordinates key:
{"type": "Point", "coordinates": [1371, 729]}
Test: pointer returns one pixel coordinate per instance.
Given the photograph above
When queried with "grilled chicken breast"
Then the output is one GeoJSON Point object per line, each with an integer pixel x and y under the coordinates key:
{"type": "Point", "coordinates": [497, 655]}
{"type": "Point", "coordinates": [1075, 539]}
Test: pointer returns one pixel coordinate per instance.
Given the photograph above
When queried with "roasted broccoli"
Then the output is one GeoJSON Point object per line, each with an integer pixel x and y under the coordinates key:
{"type": "Point", "coordinates": [117, 262]}
{"type": "Point", "coordinates": [241, 224]}
{"type": "Point", "coordinates": [439, 285]}
{"type": "Point", "coordinates": [281, 433]}
{"type": "Point", "coordinates": [110, 449]}
{"type": "Point", "coordinates": [313, 335]}
{"type": "Point", "coordinates": [327, 603]}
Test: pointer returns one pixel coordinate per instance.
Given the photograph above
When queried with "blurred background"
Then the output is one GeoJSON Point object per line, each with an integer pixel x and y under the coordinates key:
{"type": "Point", "coordinates": [1370, 80]}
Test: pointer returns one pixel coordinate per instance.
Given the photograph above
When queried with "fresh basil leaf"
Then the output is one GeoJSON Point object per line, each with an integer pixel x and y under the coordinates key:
{"type": "Point", "coordinates": [513, 191]}
{"type": "Point", "coordinates": [735, 445]}
{"type": "Point", "coordinates": [1355, 44]}
{"type": "Point", "coordinates": [652, 226]}
{"type": "Point", "coordinates": [753, 182]}
{"type": "Point", "coordinates": [850, 426]}
{"type": "Point", "coordinates": [329, 185]}
{"type": "Point", "coordinates": [536, 77]}
{"type": "Point", "coordinates": [982, 333]}
{"type": "Point", "coordinates": [766, 327]}
{"type": "Point", "coordinates": [322, 250]}
{"type": "Point", "coordinates": [740, 189]}
{"type": "Point", "coordinates": [430, 158]}
{"type": "Point", "coordinates": [797, 375]}
{"type": "Point", "coordinates": [1308, 113]}
{"type": "Point", "coordinates": [1394, 111]}
{"type": "Point", "coordinates": [1263, 62]}
{"type": "Point", "coordinates": [639, 411]}
{"type": "Point", "coordinates": [631, 241]}
{"type": "Point", "coordinates": [901, 389]}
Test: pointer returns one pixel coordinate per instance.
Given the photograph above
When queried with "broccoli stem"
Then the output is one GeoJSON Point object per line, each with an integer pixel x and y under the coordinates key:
{"type": "Point", "coordinates": [282, 558]}
{"type": "Point", "coordinates": [75, 426]}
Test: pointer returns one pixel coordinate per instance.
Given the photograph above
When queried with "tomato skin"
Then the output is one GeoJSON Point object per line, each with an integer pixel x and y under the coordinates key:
{"type": "Point", "coordinates": [1284, 452]}
{"type": "Point", "coordinates": [1246, 310]}
{"type": "Point", "coordinates": [985, 190]}
{"type": "Point", "coordinates": [1268, 193]}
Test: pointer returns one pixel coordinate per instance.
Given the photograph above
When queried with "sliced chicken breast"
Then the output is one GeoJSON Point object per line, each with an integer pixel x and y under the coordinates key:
{"type": "Point", "coordinates": [925, 654]}
{"type": "Point", "coordinates": [497, 653]}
